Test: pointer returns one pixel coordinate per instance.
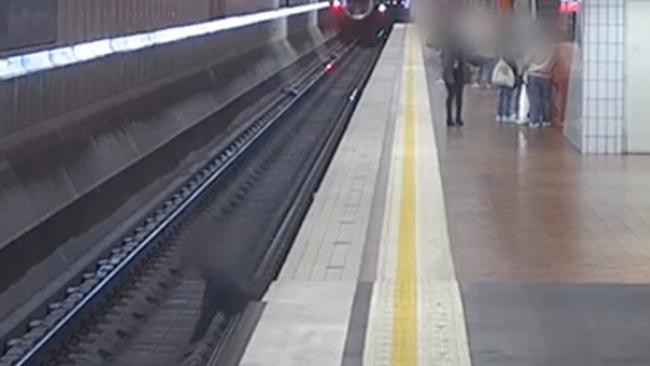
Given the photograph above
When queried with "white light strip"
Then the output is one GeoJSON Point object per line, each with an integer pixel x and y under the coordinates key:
{"type": "Point", "coordinates": [20, 65]}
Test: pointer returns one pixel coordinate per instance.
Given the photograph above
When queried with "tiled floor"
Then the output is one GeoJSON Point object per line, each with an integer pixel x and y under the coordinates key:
{"type": "Point", "coordinates": [551, 247]}
{"type": "Point", "coordinates": [523, 205]}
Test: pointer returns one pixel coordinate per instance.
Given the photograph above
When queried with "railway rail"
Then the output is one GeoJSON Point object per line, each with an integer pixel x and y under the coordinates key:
{"type": "Point", "coordinates": [121, 311]}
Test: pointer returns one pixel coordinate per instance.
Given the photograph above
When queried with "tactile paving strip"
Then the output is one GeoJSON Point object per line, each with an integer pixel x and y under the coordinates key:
{"type": "Point", "coordinates": [416, 315]}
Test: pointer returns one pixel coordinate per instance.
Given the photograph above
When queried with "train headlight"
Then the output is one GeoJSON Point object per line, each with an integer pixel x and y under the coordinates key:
{"type": "Point", "coordinates": [382, 8]}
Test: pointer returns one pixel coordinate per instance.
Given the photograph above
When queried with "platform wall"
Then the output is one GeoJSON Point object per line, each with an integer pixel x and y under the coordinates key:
{"type": "Point", "coordinates": [69, 21]}
{"type": "Point", "coordinates": [68, 133]}
{"type": "Point", "coordinates": [42, 98]}
{"type": "Point", "coordinates": [38, 109]}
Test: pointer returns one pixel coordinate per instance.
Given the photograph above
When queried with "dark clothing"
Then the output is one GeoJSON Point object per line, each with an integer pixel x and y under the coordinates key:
{"type": "Point", "coordinates": [224, 265]}
{"type": "Point", "coordinates": [454, 67]}
{"type": "Point", "coordinates": [540, 92]}
{"type": "Point", "coordinates": [455, 74]}
{"type": "Point", "coordinates": [221, 293]}
{"type": "Point", "coordinates": [505, 105]}
{"type": "Point", "coordinates": [454, 94]}
{"type": "Point", "coordinates": [506, 93]}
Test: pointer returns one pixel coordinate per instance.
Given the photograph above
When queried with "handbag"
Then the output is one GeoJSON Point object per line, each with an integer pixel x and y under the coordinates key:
{"type": "Point", "coordinates": [503, 75]}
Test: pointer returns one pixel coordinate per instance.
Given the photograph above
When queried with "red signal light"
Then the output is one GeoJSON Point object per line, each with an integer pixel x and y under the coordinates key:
{"type": "Point", "coordinates": [571, 6]}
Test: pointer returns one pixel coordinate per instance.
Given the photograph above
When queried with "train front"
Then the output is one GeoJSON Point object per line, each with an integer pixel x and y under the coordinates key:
{"type": "Point", "coordinates": [365, 20]}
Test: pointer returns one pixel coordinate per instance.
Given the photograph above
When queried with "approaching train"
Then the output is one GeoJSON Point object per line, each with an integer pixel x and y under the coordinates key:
{"type": "Point", "coordinates": [368, 20]}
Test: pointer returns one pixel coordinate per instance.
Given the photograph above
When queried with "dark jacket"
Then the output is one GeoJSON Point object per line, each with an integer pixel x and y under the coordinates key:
{"type": "Point", "coordinates": [454, 67]}
{"type": "Point", "coordinates": [225, 264]}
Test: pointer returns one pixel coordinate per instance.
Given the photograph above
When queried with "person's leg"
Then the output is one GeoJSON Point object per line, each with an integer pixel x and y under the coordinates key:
{"type": "Point", "coordinates": [533, 98]}
{"type": "Point", "coordinates": [501, 109]}
{"type": "Point", "coordinates": [561, 95]}
{"type": "Point", "coordinates": [507, 101]}
{"type": "Point", "coordinates": [546, 97]}
{"type": "Point", "coordinates": [481, 68]}
{"type": "Point", "coordinates": [459, 90]}
{"type": "Point", "coordinates": [487, 72]}
{"type": "Point", "coordinates": [507, 104]}
{"type": "Point", "coordinates": [514, 103]}
{"type": "Point", "coordinates": [449, 103]}
{"type": "Point", "coordinates": [209, 308]}
{"type": "Point", "coordinates": [483, 79]}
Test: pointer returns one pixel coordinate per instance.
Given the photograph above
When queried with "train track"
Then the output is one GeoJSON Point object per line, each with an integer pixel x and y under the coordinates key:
{"type": "Point", "coordinates": [139, 304]}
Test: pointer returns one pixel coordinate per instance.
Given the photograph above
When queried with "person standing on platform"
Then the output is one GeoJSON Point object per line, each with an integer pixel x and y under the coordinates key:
{"type": "Point", "coordinates": [561, 75]}
{"type": "Point", "coordinates": [505, 76]}
{"type": "Point", "coordinates": [540, 86]}
{"type": "Point", "coordinates": [455, 74]}
{"type": "Point", "coordinates": [507, 73]}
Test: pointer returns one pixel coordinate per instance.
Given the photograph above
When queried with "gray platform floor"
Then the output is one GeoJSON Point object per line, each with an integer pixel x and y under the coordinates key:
{"type": "Point", "coordinates": [308, 309]}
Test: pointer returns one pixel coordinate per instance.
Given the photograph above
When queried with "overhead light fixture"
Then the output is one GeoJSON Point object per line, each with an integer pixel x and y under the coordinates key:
{"type": "Point", "coordinates": [16, 66]}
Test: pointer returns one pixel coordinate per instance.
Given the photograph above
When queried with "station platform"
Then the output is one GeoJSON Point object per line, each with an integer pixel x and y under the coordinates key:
{"type": "Point", "coordinates": [486, 245]}
{"type": "Point", "coordinates": [370, 274]}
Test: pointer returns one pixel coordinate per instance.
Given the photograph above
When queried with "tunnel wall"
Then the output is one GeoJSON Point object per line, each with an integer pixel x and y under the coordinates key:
{"type": "Point", "coordinates": [79, 134]}
{"type": "Point", "coordinates": [40, 110]}
{"type": "Point", "coordinates": [80, 20]}
{"type": "Point", "coordinates": [31, 24]}
{"type": "Point", "coordinates": [28, 25]}
{"type": "Point", "coordinates": [40, 98]}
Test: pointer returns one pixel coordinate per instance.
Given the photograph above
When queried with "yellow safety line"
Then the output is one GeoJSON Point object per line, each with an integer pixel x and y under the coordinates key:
{"type": "Point", "coordinates": [404, 350]}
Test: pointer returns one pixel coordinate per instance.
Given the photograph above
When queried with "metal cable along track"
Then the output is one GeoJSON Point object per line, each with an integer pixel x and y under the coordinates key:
{"type": "Point", "coordinates": [94, 286]}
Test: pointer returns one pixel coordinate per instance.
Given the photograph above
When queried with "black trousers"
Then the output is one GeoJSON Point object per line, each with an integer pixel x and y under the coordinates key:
{"type": "Point", "coordinates": [220, 294]}
{"type": "Point", "coordinates": [455, 95]}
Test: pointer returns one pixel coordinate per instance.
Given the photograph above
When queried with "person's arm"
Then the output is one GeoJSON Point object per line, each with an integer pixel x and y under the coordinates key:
{"type": "Point", "coordinates": [474, 61]}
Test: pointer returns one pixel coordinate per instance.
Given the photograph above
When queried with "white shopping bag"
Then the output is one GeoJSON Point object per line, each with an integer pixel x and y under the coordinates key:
{"type": "Point", "coordinates": [503, 74]}
{"type": "Point", "coordinates": [524, 105]}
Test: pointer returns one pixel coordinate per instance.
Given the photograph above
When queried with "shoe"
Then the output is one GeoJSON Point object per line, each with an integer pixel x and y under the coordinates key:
{"type": "Point", "coordinates": [498, 119]}
{"type": "Point", "coordinates": [546, 124]}
{"type": "Point", "coordinates": [535, 125]}
{"type": "Point", "coordinates": [450, 123]}
{"type": "Point", "coordinates": [460, 122]}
